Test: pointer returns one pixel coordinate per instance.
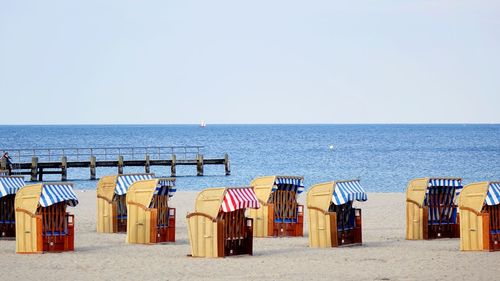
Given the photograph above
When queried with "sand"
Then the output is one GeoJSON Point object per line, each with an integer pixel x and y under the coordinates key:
{"type": "Point", "coordinates": [385, 254]}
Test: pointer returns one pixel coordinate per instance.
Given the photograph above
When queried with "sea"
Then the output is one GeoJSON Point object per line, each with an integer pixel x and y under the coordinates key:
{"type": "Point", "coordinates": [383, 157]}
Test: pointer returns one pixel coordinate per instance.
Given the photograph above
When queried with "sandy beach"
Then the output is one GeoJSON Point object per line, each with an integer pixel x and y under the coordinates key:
{"type": "Point", "coordinates": [385, 254]}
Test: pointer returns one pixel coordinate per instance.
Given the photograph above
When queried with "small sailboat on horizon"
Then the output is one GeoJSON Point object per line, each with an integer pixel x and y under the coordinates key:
{"type": "Point", "coordinates": [203, 124]}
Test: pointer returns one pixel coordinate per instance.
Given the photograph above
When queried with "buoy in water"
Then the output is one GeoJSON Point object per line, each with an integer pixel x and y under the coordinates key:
{"type": "Point", "coordinates": [331, 147]}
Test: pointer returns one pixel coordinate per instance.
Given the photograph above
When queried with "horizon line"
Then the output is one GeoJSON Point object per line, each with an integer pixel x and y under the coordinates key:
{"type": "Point", "coordinates": [219, 124]}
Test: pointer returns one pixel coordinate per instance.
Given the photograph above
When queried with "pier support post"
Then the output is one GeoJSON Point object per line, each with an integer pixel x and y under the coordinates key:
{"type": "Point", "coordinates": [92, 167]}
{"type": "Point", "coordinates": [227, 168]}
{"type": "Point", "coordinates": [120, 164]}
{"type": "Point", "coordinates": [64, 168]}
{"type": "Point", "coordinates": [199, 165]}
{"type": "Point", "coordinates": [34, 168]}
{"type": "Point", "coordinates": [40, 174]}
{"type": "Point", "coordinates": [3, 164]}
{"type": "Point", "coordinates": [147, 165]}
{"type": "Point", "coordinates": [173, 170]}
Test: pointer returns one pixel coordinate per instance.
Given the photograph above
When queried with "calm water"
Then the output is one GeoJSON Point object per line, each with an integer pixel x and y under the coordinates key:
{"type": "Point", "coordinates": [384, 157]}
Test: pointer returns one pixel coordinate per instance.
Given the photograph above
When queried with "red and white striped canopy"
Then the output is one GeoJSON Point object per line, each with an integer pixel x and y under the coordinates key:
{"type": "Point", "coordinates": [239, 198]}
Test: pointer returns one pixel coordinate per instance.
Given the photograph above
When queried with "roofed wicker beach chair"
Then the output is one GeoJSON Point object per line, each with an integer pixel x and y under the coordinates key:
{"type": "Point", "coordinates": [479, 205]}
{"type": "Point", "coordinates": [218, 226]}
{"type": "Point", "coordinates": [333, 221]}
{"type": "Point", "coordinates": [431, 210]}
{"type": "Point", "coordinates": [42, 223]}
{"type": "Point", "coordinates": [111, 201]}
{"type": "Point", "coordinates": [279, 213]}
{"type": "Point", "coordinates": [9, 185]}
{"type": "Point", "coordinates": [150, 219]}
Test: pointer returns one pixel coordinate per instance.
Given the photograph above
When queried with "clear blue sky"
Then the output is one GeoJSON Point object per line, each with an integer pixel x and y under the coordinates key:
{"type": "Point", "coordinates": [163, 62]}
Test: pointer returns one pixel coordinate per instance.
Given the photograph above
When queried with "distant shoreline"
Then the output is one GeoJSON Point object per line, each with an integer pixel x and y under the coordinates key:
{"type": "Point", "coordinates": [260, 124]}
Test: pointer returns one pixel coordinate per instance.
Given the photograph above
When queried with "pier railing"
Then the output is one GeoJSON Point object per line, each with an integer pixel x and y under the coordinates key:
{"type": "Point", "coordinates": [103, 153]}
{"type": "Point", "coordinates": [39, 161]}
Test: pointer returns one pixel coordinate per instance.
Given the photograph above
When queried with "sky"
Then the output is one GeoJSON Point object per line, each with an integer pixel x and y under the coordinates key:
{"type": "Point", "coordinates": [249, 62]}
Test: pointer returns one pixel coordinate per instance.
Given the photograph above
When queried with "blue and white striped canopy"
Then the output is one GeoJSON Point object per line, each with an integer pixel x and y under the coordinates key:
{"type": "Point", "coordinates": [445, 182]}
{"type": "Point", "coordinates": [55, 193]}
{"type": "Point", "coordinates": [457, 183]}
{"type": "Point", "coordinates": [10, 185]}
{"type": "Point", "coordinates": [166, 186]}
{"type": "Point", "coordinates": [288, 183]}
{"type": "Point", "coordinates": [346, 191]}
{"type": "Point", "coordinates": [125, 181]}
{"type": "Point", "coordinates": [493, 196]}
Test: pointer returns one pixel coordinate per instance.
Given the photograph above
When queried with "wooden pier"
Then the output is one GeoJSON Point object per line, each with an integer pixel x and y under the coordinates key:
{"type": "Point", "coordinates": [39, 162]}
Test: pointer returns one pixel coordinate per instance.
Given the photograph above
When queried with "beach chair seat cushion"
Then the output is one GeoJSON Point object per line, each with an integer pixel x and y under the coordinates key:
{"type": "Point", "coordinates": [437, 222]}
{"type": "Point", "coordinates": [345, 228]}
{"type": "Point", "coordinates": [55, 233]}
{"type": "Point", "coordinates": [278, 220]}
